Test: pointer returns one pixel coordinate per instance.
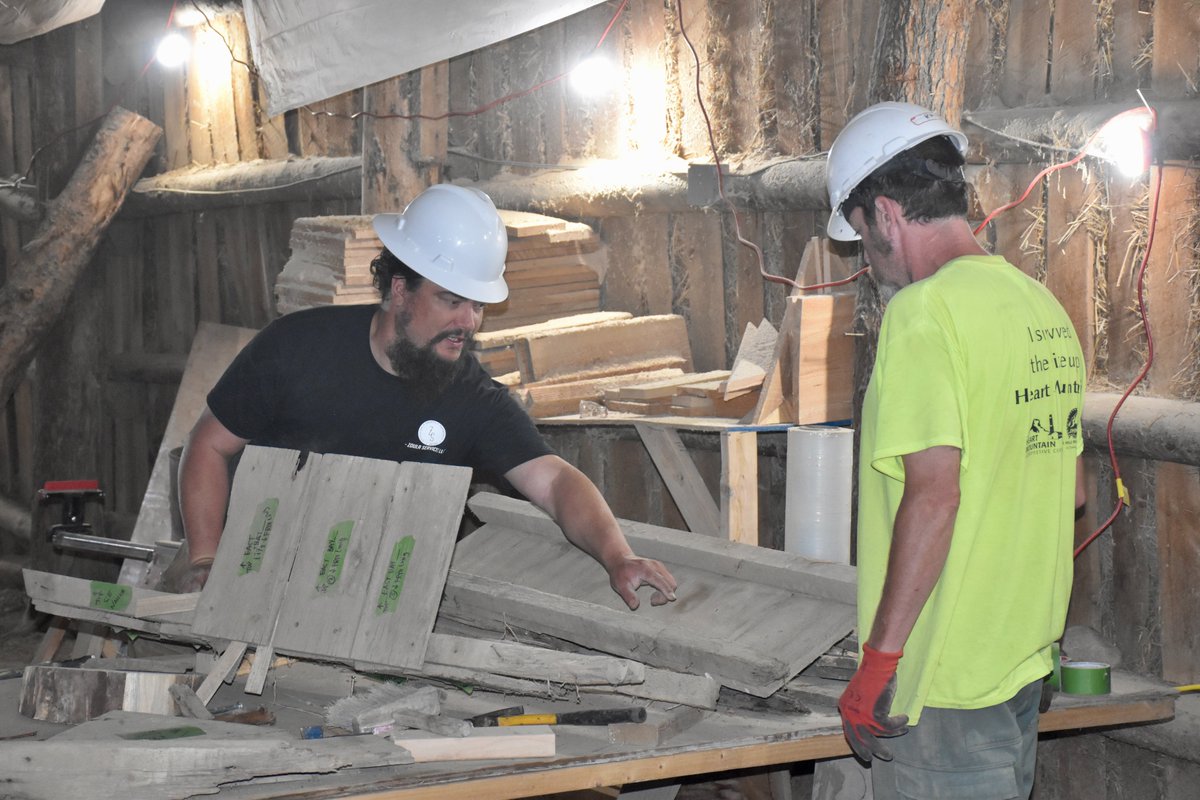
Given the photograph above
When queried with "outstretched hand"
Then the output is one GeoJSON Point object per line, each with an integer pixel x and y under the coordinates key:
{"type": "Point", "coordinates": [865, 704]}
{"type": "Point", "coordinates": [633, 573]}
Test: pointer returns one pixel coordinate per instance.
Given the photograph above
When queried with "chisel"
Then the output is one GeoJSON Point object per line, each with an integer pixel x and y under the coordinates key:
{"type": "Point", "coordinates": [602, 716]}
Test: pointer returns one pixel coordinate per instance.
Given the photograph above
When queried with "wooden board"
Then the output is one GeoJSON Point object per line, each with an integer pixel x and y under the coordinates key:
{"type": "Point", "coordinates": [340, 557]}
{"type": "Point", "coordinates": [681, 477]}
{"type": "Point", "coordinates": [72, 695]}
{"type": "Point", "coordinates": [422, 522]}
{"type": "Point", "coordinates": [529, 661]}
{"type": "Point", "coordinates": [241, 600]}
{"type": "Point", "coordinates": [212, 350]}
{"type": "Point", "coordinates": [524, 741]}
{"type": "Point", "coordinates": [716, 626]}
{"type": "Point", "coordinates": [549, 355]}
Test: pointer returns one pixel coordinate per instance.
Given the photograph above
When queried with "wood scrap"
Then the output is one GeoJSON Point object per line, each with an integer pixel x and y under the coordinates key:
{"type": "Point", "coordinates": [222, 671]}
{"type": "Point", "coordinates": [530, 661]}
{"type": "Point", "coordinates": [683, 480]}
{"type": "Point", "coordinates": [73, 695]}
{"type": "Point", "coordinates": [526, 741]}
{"type": "Point", "coordinates": [752, 360]}
{"type": "Point", "coordinates": [659, 727]}
{"type": "Point", "coordinates": [188, 703]}
{"type": "Point", "coordinates": [373, 707]}
{"type": "Point", "coordinates": [563, 397]}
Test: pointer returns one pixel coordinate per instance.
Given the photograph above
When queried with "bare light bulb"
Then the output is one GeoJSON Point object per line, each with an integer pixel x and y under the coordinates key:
{"type": "Point", "coordinates": [1125, 141]}
{"type": "Point", "coordinates": [593, 77]}
{"type": "Point", "coordinates": [172, 50]}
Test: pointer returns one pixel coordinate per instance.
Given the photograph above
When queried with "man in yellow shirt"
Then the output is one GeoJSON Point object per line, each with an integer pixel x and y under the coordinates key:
{"type": "Point", "coordinates": [968, 468]}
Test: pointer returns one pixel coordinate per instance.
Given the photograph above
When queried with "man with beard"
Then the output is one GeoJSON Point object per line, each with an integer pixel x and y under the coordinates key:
{"type": "Point", "coordinates": [396, 382]}
{"type": "Point", "coordinates": [966, 505]}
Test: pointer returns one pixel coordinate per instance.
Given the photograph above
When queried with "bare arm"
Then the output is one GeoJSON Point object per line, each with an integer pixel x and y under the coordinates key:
{"type": "Point", "coordinates": [921, 539]}
{"type": "Point", "coordinates": [576, 505]}
{"type": "Point", "coordinates": [204, 488]}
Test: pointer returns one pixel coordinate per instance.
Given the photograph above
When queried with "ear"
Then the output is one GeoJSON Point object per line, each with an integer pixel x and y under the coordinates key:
{"type": "Point", "coordinates": [888, 214]}
{"type": "Point", "coordinates": [399, 288]}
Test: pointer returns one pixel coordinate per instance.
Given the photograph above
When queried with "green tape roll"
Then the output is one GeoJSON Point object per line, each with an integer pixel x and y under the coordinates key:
{"type": "Point", "coordinates": [1086, 677]}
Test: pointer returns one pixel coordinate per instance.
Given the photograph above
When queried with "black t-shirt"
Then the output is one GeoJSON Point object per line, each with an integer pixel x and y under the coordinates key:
{"type": "Point", "coordinates": [308, 381]}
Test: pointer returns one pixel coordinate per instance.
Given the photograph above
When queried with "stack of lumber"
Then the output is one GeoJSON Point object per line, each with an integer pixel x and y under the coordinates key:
{"type": "Point", "coordinates": [553, 366]}
{"type": "Point", "coordinates": [551, 270]}
{"type": "Point", "coordinates": [330, 264]}
{"type": "Point", "coordinates": [694, 394]}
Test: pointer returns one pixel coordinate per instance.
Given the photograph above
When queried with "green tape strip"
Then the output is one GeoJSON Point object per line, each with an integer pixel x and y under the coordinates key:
{"type": "Point", "coordinates": [260, 532]}
{"type": "Point", "coordinates": [393, 581]}
{"type": "Point", "coordinates": [111, 596]}
{"type": "Point", "coordinates": [335, 555]}
{"type": "Point", "coordinates": [180, 732]}
{"type": "Point", "coordinates": [1086, 677]}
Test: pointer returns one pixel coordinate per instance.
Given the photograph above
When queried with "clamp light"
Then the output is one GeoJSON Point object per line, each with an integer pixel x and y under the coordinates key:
{"type": "Point", "coordinates": [1125, 140]}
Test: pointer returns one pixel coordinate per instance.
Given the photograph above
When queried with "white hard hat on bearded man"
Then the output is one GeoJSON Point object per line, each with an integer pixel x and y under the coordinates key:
{"type": "Point", "coordinates": [869, 140]}
{"type": "Point", "coordinates": [453, 236]}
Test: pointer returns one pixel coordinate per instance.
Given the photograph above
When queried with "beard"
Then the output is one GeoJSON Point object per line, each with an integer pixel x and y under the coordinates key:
{"type": "Point", "coordinates": [426, 373]}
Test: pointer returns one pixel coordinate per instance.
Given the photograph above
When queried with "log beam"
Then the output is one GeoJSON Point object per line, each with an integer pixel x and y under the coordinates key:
{"type": "Point", "coordinates": [250, 182]}
{"type": "Point", "coordinates": [40, 283]}
{"type": "Point", "coordinates": [1001, 134]}
{"type": "Point", "coordinates": [1153, 428]}
{"type": "Point", "coordinates": [613, 188]}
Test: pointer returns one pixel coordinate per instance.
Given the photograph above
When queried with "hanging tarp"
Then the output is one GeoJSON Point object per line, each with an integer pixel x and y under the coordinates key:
{"type": "Point", "coordinates": [309, 50]}
{"type": "Point", "coordinates": [24, 19]}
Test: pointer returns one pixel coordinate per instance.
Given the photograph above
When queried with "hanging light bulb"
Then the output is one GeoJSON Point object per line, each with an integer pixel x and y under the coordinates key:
{"type": "Point", "coordinates": [172, 50]}
{"type": "Point", "coordinates": [593, 77]}
{"type": "Point", "coordinates": [1125, 141]}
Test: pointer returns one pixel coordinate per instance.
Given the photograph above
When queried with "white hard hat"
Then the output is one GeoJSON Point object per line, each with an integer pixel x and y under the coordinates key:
{"type": "Point", "coordinates": [869, 140]}
{"type": "Point", "coordinates": [453, 236]}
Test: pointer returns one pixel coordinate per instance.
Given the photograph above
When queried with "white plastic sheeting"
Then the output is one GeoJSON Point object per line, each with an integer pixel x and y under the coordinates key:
{"type": "Point", "coordinates": [309, 50]}
{"type": "Point", "coordinates": [24, 19]}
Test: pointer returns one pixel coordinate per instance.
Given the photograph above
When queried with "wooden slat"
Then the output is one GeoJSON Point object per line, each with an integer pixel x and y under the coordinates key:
{"type": "Point", "coordinates": [668, 387]}
{"type": "Point", "coordinates": [526, 741]}
{"type": "Point", "coordinates": [426, 507]}
{"type": "Point", "coordinates": [642, 338]}
{"type": "Point", "coordinates": [683, 480]}
{"type": "Point", "coordinates": [222, 671]}
{"type": "Point", "coordinates": [327, 589]}
{"type": "Point", "coordinates": [528, 661]}
{"type": "Point", "coordinates": [739, 486]}
{"type": "Point", "coordinates": [241, 600]}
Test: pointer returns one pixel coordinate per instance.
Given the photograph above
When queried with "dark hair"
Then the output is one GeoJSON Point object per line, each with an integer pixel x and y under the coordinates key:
{"type": "Point", "coordinates": [386, 266]}
{"type": "Point", "coordinates": [926, 180]}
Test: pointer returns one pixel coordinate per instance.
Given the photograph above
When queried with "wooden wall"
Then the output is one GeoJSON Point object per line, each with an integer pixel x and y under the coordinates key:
{"type": "Point", "coordinates": [778, 80]}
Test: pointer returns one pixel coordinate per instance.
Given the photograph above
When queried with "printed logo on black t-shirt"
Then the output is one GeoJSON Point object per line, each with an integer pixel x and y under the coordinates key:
{"type": "Point", "coordinates": [431, 433]}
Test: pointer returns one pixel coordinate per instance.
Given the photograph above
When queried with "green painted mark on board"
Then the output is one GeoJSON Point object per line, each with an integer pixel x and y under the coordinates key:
{"type": "Point", "coordinates": [335, 555]}
{"type": "Point", "coordinates": [260, 532]}
{"type": "Point", "coordinates": [393, 582]}
{"type": "Point", "coordinates": [111, 596]}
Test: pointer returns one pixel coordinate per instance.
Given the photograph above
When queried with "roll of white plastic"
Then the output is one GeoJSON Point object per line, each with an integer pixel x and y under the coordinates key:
{"type": "Point", "coordinates": [817, 512]}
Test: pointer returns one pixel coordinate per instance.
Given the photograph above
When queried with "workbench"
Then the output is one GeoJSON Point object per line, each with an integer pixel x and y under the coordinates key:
{"type": "Point", "coordinates": [721, 741]}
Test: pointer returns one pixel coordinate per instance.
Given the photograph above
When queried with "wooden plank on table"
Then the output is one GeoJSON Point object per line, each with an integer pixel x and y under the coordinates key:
{"type": "Point", "coordinates": [715, 626]}
{"type": "Point", "coordinates": [213, 348]}
{"type": "Point", "coordinates": [270, 493]}
{"type": "Point", "coordinates": [548, 355]}
{"type": "Point", "coordinates": [522, 741]}
{"type": "Point", "coordinates": [669, 387]}
{"type": "Point", "coordinates": [72, 695]}
{"type": "Point", "coordinates": [683, 480]}
{"type": "Point", "coordinates": [414, 555]}
{"type": "Point", "coordinates": [542, 400]}
{"type": "Point", "coordinates": [529, 661]}
{"type": "Point", "coordinates": [222, 672]}
{"type": "Point", "coordinates": [739, 486]}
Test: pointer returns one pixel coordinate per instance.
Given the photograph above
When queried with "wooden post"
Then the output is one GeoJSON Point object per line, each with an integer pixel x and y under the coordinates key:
{"type": "Point", "coordinates": [401, 157]}
{"type": "Point", "coordinates": [739, 486]}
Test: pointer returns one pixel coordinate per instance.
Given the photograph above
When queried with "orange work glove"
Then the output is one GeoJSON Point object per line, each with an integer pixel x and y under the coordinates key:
{"type": "Point", "coordinates": [866, 702]}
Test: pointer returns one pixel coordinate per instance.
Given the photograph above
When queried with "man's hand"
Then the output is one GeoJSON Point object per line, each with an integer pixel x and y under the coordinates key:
{"type": "Point", "coordinates": [634, 572]}
{"type": "Point", "coordinates": [866, 702]}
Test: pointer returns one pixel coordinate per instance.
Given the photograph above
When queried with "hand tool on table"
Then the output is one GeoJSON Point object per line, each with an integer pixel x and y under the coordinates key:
{"type": "Point", "coordinates": [599, 716]}
{"type": "Point", "coordinates": [73, 531]}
